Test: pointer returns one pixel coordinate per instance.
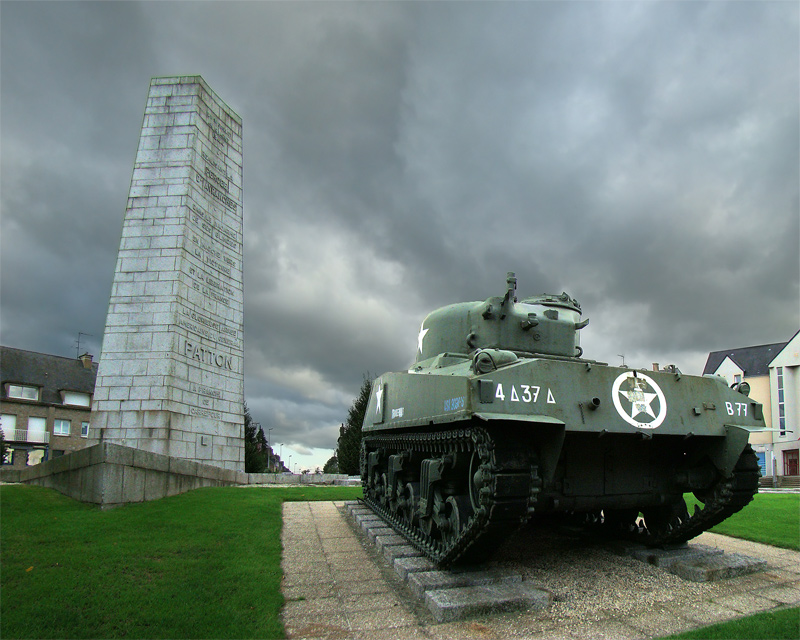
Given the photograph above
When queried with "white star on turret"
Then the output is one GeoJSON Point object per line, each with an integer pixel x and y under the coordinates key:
{"type": "Point", "coordinates": [421, 336]}
{"type": "Point", "coordinates": [378, 399]}
{"type": "Point", "coordinates": [640, 401]}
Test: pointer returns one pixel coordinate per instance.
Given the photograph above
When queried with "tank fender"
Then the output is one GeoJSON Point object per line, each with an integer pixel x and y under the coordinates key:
{"type": "Point", "coordinates": [726, 451]}
{"type": "Point", "coordinates": [545, 432]}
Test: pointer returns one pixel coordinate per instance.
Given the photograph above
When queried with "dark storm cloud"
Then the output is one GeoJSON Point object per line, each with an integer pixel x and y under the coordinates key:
{"type": "Point", "coordinates": [403, 156]}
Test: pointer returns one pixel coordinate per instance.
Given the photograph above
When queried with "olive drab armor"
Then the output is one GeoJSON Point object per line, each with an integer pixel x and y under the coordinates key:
{"type": "Point", "coordinates": [501, 420]}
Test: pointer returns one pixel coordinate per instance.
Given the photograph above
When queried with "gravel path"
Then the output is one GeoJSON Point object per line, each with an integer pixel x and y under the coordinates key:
{"type": "Point", "coordinates": [596, 593]}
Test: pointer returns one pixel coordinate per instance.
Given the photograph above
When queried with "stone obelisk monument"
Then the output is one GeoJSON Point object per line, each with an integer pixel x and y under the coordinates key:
{"type": "Point", "coordinates": [171, 373]}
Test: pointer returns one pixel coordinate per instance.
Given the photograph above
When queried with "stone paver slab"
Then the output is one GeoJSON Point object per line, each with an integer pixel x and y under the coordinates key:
{"type": "Point", "coordinates": [397, 551]}
{"type": "Point", "coordinates": [375, 532]}
{"type": "Point", "coordinates": [392, 618]}
{"type": "Point", "coordinates": [604, 630]}
{"type": "Point", "coordinates": [423, 581]}
{"type": "Point", "coordinates": [747, 603]}
{"type": "Point", "coordinates": [660, 623]}
{"type": "Point", "coordinates": [405, 566]}
{"type": "Point", "coordinates": [334, 627]}
{"type": "Point", "coordinates": [789, 594]}
{"type": "Point", "coordinates": [385, 541]}
{"type": "Point", "coordinates": [453, 604]}
{"type": "Point", "coordinates": [718, 567]}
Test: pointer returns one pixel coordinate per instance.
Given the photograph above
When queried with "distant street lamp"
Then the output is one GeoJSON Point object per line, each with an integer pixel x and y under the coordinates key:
{"type": "Point", "coordinates": [290, 463]}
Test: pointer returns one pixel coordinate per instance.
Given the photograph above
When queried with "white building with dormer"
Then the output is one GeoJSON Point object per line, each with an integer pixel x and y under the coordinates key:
{"type": "Point", "coordinates": [784, 379]}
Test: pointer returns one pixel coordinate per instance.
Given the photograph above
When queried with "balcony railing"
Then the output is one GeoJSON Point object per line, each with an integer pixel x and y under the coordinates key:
{"type": "Point", "coordinates": [23, 435]}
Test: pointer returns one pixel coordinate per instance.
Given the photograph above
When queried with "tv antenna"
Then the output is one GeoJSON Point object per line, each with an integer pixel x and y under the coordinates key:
{"type": "Point", "coordinates": [78, 343]}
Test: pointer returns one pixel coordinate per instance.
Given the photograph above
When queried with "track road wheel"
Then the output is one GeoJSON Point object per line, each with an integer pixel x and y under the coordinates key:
{"type": "Point", "coordinates": [408, 503]}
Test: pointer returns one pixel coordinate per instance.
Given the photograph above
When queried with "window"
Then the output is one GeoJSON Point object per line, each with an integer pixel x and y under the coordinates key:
{"type": "Point", "coordinates": [35, 456]}
{"type": "Point", "coordinates": [37, 429]}
{"type": "Point", "coordinates": [8, 423]}
{"type": "Point", "coordinates": [781, 403]}
{"type": "Point", "coordinates": [9, 456]}
{"type": "Point", "coordinates": [84, 429]}
{"type": "Point", "coordinates": [77, 399]}
{"type": "Point", "coordinates": [61, 427]}
{"type": "Point", "coordinates": [22, 392]}
{"type": "Point", "coordinates": [737, 378]}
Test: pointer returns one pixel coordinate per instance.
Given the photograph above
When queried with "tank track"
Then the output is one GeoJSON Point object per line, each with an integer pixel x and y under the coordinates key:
{"type": "Point", "coordinates": [497, 495]}
{"type": "Point", "coordinates": [674, 525]}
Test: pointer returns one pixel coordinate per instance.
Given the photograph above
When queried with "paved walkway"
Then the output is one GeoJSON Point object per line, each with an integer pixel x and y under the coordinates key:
{"type": "Point", "coordinates": [336, 586]}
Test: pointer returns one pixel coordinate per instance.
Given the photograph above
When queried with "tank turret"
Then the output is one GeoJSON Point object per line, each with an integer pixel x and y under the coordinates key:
{"type": "Point", "coordinates": [545, 324]}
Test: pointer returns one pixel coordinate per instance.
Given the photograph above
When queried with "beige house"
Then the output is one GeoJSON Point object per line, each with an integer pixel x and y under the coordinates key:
{"type": "Point", "coordinates": [45, 404]}
{"type": "Point", "coordinates": [764, 368]}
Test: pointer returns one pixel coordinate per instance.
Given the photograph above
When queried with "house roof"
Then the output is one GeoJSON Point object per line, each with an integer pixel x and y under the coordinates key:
{"type": "Point", "coordinates": [52, 373]}
{"type": "Point", "coordinates": [754, 361]}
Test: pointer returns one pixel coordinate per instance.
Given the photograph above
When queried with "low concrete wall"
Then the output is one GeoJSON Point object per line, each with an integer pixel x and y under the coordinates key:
{"type": "Point", "coordinates": [308, 478]}
{"type": "Point", "coordinates": [110, 474]}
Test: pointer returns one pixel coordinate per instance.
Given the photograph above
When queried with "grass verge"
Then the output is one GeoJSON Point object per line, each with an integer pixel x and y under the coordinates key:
{"type": "Point", "coordinates": [205, 564]}
{"type": "Point", "coordinates": [772, 518]}
{"type": "Point", "coordinates": [770, 625]}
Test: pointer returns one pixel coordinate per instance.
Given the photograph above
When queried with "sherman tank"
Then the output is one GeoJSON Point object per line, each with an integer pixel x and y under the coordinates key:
{"type": "Point", "coordinates": [501, 420]}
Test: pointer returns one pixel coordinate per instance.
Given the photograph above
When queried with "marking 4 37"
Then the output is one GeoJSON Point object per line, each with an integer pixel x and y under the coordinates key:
{"type": "Point", "coordinates": [527, 393]}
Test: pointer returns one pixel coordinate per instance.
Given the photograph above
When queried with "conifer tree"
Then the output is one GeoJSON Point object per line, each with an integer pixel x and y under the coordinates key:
{"type": "Point", "coordinates": [255, 445]}
{"type": "Point", "coordinates": [349, 450]}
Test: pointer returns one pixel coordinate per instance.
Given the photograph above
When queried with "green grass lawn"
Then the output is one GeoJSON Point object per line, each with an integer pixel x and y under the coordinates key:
{"type": "Point", "coordinates": [770, 625]}
{"type": "Point", "coordinates": [205, 564]}
{"type": "Point", "coordinates": [772, 518]}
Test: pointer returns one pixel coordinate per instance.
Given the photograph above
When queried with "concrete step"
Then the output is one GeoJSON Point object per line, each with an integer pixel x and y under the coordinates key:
{"type": "Point", "coordinates": [697, 562]}
{"type": "Point", "coordinates": [447, 605]}
{"type": "Point", "coordinates": [448, 594]}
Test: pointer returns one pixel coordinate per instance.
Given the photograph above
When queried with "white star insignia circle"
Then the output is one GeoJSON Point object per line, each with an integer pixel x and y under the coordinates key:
{"type": "Point", "coordinates": [641, 391]}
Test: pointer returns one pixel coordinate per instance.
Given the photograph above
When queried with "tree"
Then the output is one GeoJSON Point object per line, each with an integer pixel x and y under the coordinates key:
{"type": "Point", "coordinates": [255, 445]}
{"type": "Point", "coordinates": [331, 466]}
{"type": "Point", "coordinates": [3, 447]}
{"type": "Point", "coordinates": [348, 453]}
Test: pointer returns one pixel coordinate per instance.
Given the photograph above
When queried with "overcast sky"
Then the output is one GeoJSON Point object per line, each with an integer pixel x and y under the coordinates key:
{"type": "Point", "coordinates": [642, 156]}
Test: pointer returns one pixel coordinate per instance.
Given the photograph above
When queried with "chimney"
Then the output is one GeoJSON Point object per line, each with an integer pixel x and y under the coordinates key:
{"type": "Point", "coordinates": [655, 366]}
{"type": "Point", "coordinates": [86, 359]}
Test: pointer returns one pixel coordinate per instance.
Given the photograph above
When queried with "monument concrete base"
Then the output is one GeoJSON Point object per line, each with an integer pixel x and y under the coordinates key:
{"type": "Point", "coordinates": [110, 475]}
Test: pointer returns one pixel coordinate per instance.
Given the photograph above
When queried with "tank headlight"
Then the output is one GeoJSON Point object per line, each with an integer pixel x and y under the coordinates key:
{"type": "Point", "coordinates": [484, 363]}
